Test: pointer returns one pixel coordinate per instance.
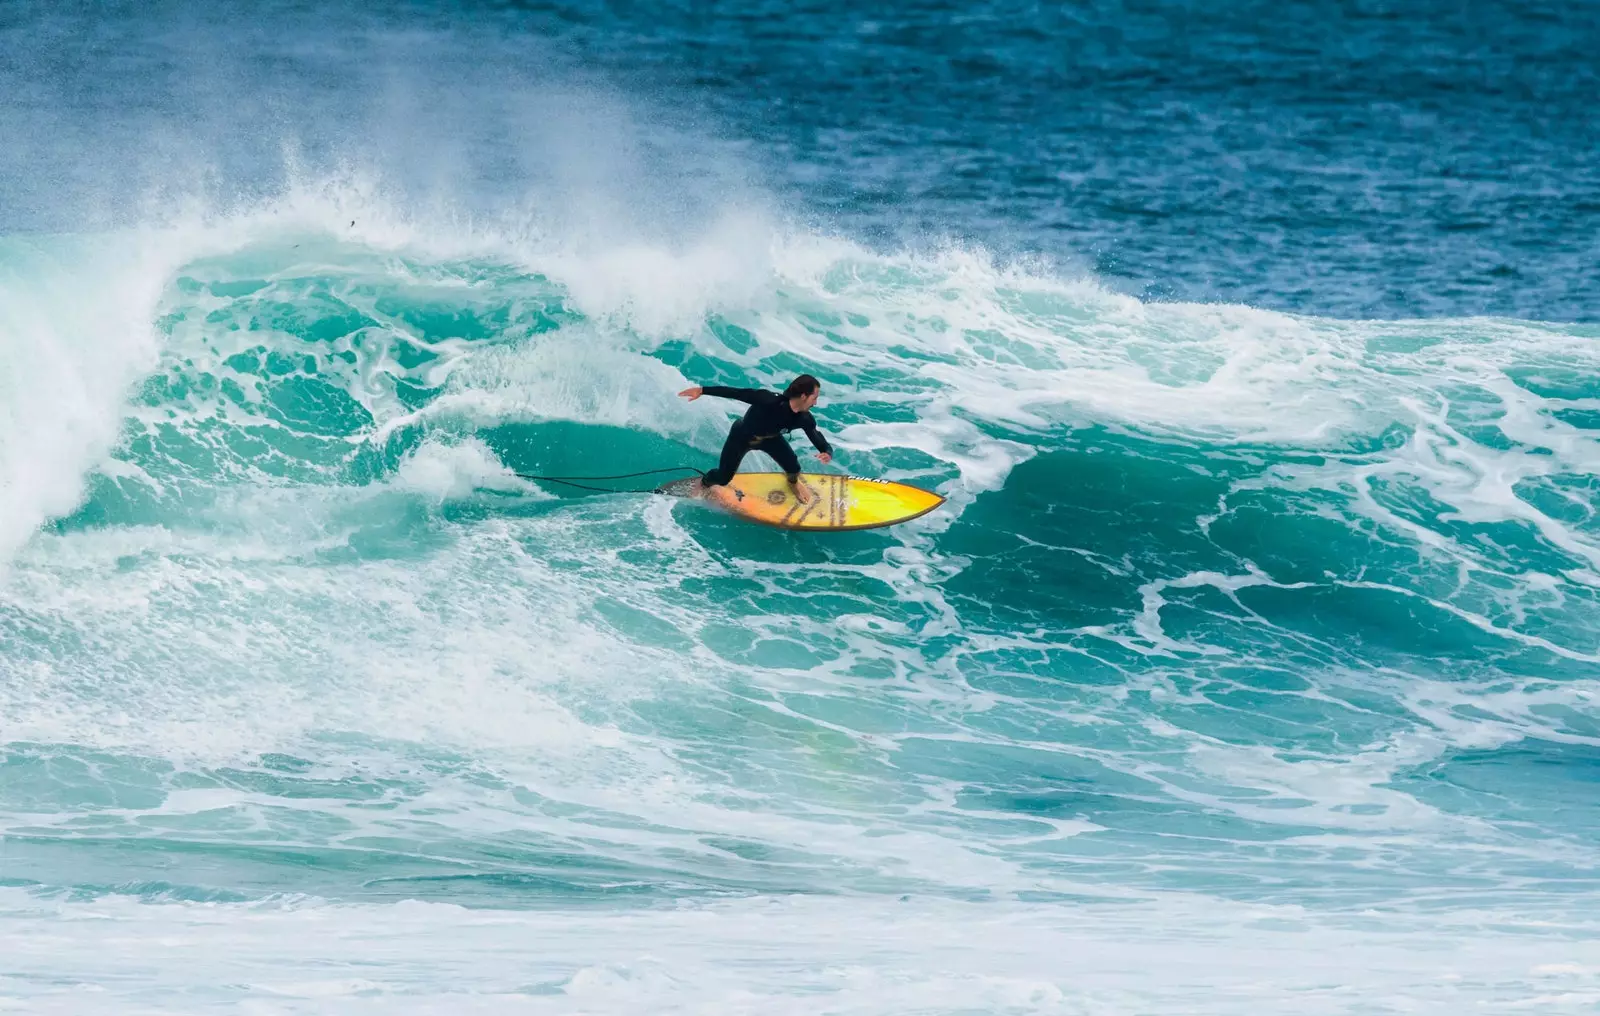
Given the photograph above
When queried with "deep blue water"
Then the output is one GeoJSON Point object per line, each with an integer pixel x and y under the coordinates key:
{"type": "Point", "coordinates": [1357, 159]}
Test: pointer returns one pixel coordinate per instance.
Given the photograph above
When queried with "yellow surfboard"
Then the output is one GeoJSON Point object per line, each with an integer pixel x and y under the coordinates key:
{"type": "Point", "coordinates": [840, 502]}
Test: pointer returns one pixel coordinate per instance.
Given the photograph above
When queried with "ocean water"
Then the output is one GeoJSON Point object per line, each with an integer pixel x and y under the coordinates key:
{"type": "Point", "coordinates": [1252, 666]}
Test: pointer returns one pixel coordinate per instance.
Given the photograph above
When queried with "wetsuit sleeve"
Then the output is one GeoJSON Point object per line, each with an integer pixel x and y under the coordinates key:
{"type": "Point", "coordinates": [754, 396]}
{"type": "Point", "coordinates": [809, 425]}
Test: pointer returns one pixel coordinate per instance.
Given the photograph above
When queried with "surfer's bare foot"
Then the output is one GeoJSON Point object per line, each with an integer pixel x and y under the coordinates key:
{"type": "Point", "coordinates": [802, 493]}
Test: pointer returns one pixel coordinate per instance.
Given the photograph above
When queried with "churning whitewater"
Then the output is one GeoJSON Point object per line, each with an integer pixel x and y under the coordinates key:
{"type": "Point", "coordinates": [1251, 665]}
{"type": "Point", "coordinates": [1240, 623]}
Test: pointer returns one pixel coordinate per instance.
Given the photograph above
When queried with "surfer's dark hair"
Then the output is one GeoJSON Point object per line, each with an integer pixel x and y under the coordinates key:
{"type": "Point", "coordinates": [805, 384]}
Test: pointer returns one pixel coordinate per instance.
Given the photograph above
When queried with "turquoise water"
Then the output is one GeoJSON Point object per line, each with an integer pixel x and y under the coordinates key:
{"type": "Point", "coordinates": [1250, 667]}
{"type": "Point", "coordinates": [1290, 614]}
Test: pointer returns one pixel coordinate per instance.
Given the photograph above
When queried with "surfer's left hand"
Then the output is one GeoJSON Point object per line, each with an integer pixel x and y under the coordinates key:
{"type": "Point", "coordinates": [825, 457]}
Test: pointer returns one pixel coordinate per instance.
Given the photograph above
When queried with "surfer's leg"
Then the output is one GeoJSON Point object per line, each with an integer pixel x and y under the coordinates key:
{"type": "Point", "coordinates": [785, 457]}
{"type": "Point", "coordinates": [733, 453]}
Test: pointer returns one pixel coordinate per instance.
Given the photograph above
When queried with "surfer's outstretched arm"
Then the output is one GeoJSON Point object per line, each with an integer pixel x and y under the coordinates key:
{"type": "Point", "coordinates": [747, 395]}
{"type": "Point", "coordinates": [820, 443]}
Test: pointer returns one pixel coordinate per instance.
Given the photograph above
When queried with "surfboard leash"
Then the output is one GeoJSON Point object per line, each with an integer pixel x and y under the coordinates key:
{"type": "Point", "coordinates": [579, 481]}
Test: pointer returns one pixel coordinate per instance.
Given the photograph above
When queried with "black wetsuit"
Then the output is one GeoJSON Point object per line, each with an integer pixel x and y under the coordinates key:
{"type": "Point", "coordinates": [762, 429]}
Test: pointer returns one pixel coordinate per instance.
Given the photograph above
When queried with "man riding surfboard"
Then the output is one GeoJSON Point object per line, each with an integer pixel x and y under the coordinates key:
{"type": "Point", "coordinates": [763, 426]}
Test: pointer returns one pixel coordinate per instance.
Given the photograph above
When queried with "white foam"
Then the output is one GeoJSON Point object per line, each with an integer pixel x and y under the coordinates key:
{"type": "Point", "coordinates": [77, 329]}
{"type": "Point", "coordinates": [780, 955]}
{"type": "Point", "coordinates": [445, 469]}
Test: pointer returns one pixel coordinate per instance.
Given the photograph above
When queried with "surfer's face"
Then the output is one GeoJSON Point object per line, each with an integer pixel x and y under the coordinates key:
{"type": "Point", "coordinates": [807, 401]}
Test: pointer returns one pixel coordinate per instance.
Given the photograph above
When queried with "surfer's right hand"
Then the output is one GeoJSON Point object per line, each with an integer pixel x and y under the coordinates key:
{"type": "Point", "coordinates": [692, 393]}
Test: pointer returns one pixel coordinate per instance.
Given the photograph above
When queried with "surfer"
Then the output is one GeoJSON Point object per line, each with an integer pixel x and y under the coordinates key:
{"type": "Point", "coordinates": [770, 415]}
